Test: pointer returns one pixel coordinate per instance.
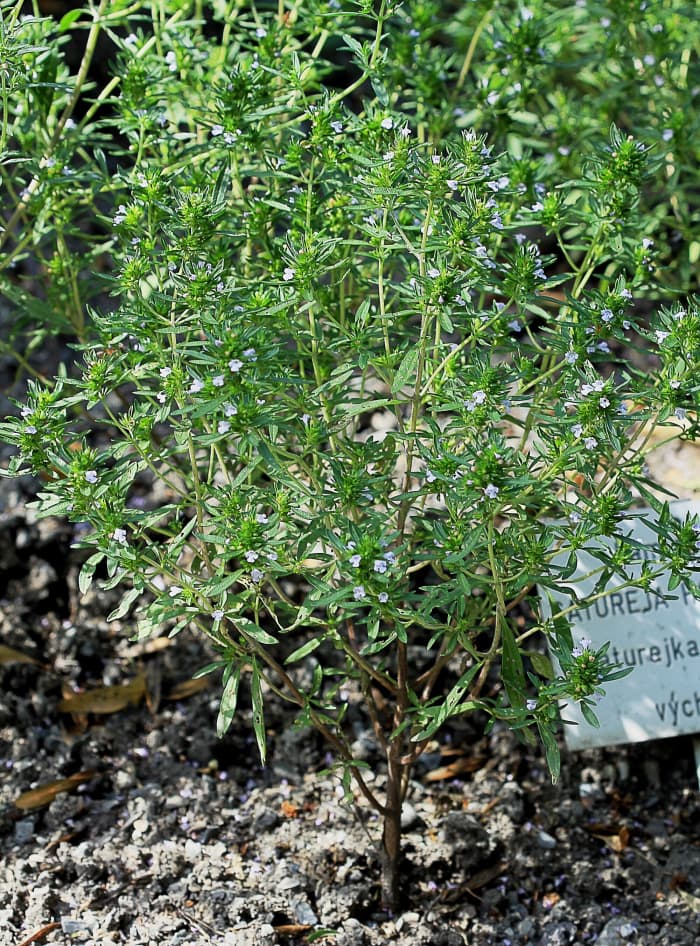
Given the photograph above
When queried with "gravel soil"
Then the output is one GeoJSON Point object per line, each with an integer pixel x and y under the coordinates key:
{"type": "Point", "coordinates": [124, 820]}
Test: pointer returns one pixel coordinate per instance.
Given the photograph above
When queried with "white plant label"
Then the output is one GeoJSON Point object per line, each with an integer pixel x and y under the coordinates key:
{"type": "Point", "coordinates": [659, 639]}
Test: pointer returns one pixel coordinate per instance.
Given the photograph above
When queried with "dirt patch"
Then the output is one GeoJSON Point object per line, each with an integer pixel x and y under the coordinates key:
{"type": "Point", "coordinates": [167, 835]}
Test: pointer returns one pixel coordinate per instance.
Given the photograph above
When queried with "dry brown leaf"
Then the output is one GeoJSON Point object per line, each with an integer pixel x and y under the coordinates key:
{"type": "Point", "coordinates": [292, 929]}
{"type": "Point", "coordinates": [45, 794]}
{"type": "Point", "coordinates": [616, 842]}
{"type": "Point", "coordinates": [8, 655]}
{"type": "Point", "coordinates": [106, 699]}
{"type": "Point", "coordinates": [550, 899]}
{"type": "Point", "coordinates": [40, 934]}
{"type": "Point", "coordinates": [289, 809]}
{"type": "Point", "coordinates": [458, 767]}
{"type": "Point", "coordinates": [187, 688]}
{"type": "Point", "coordinates": [153, 645]}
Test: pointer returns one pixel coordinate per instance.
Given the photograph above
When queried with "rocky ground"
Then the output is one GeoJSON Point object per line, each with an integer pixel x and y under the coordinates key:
{"type": "Point", "coordinates": [124, 820]}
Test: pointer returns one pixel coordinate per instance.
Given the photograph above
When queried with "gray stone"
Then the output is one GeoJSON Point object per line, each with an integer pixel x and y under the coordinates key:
{"type": "Point", "coordinates": [620, 931]}
{"type": "Point", "coordinates": [546, 840]}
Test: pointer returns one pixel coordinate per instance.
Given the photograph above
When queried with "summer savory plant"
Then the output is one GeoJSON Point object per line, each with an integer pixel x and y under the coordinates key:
{"type": "Point", "coordinates": [387, 385]}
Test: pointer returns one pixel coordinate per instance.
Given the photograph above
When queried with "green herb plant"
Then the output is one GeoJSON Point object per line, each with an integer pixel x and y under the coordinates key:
{"type": "Point", "coordinates": [385, 382]}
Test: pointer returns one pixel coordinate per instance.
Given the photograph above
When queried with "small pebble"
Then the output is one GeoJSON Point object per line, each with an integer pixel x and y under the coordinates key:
{"type": "Point", "coordinates": [546, 840]}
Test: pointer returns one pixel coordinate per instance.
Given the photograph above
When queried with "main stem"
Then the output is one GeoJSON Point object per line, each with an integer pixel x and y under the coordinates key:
{"type": "Point", "coordinates": [398, 768]}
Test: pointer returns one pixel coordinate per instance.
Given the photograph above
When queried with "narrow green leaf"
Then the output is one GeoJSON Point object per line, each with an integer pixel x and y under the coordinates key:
{"type": "Point", "coordinates": [87, 572]}
{"type": "Point", "coordinates": [589, 715]}
{"type": "Point", "coordinates": [229, 699]}
{"type": "Point", "coordinates": [551, 752]}
{"type": "Point", "coordinates": [258, 716]}
{"type": "Point", "coordinates": [406, 370]}
{"type": "Point", "coordinates": [304, 650]}
{"type": "Point", "coordinates": [251, 629]}
{"type": "Point", "coordinates": [512, 668]}
{"type": "Point", "coordinates": [123, 609]}
{"type": "Point", "coordinates": [541, 664]}
{"type": "Point", "coordinates": [68, 19]}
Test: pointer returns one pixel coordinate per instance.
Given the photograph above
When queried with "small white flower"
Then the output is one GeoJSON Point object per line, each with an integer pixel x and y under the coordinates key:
{"type": "Point", "coordinates": [571, 357]}
{"type": "Point", "coordinates": [491, 491]}
{"type": "Point", "coordinates": [358, 592]}
{"type": "Point", "coordinates": [582, 647]}
{"type": "Point", "coordinates": [515, 326]}
{"type": "Point", "coordinates": [235, 365]}
{"type": "Point", "coordinates": [120, 215]}
{"type": "Point", "coordinates": [196, 386]}
{"type": "Point", "coordinates": [661, 336]}
{"type": "Point", "coordinates": [217, 130]}
{"type": "Point", "coordinates": [574, 517]}
{"type": "Point", "coordinates": [230, 410]}
{"type": "Point", "coordinates": [680, 413]}
{"type": "Point", "coordinates": [288, 274]}
{"type": "Point", "coordinates": [435, 158]}
{"type": "Point", "coordinates": [531, 705]}
{"type": "Point", "coordinates": [174, 591]}
{"type": "Point", "coordinates": [590, 443]}
{"type": "Point", "coordinates": [380, 565]}
{"type": "Point", "coordinates": [217, 615]}
{"type": "Point", "coordinates": [337, 127]}
{"type": "Point", "coordinates": [390, 558]}
{"type": "Point", "coordinates": [161, 397]}
{"type": "Point", "coordinates": [577, 430]}
{"type": "Point", "coordinates": [119, 535]}
{"type": "Point", "coordinates": [261, 32]}
{"type": "Point", "coordinates": [30, 429]}
{"type": "Point", "coordinates": [218, 381]}
{"type": "Point", "coordinates": [171, 59]}
{"type": "Point", "coordinates": [256, 575]}
{"type": "Point", "coordinates": [433, 273]}
{"type": "Point", "coordinates": [667, 134]}
{"type": "Point", "coordinates": [165, 372]}
{"type": "Point", "coordinates": [606, 315]}
{"type": "Point", "coordinates": [382, 597]}
{"type": "Point", "coordinates": [387, 124]}
{"type": "Point", "coordinates": [626, 294]}
{"type": "Point", "coordinates": [405, 132]}
{"type": "Point", "coordinates": [355, 560]}
{"type": "Point", "coordinates": [453, 185]}
{"type": "Point", "coordinates": [223, 427]}
{"type": "Point", "coordinates": [251, 556]}
{"type": "Point", "coordinates": [261, 518]}
{"type": "Point", "coordinates": [91, 476]}
{"type": "Point", "coordinates": [250, 354]}
{"type": "Point", "coordinates": [430, 476]}
{"type": "Point", "coordinates": [604, 402]}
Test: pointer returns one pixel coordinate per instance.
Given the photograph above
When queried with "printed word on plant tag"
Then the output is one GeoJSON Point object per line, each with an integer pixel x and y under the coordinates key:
{"type": "Point", "coordinates": [658, 638]}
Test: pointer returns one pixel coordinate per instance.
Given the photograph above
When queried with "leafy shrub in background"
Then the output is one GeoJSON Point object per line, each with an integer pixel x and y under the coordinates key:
{"type": "Point", "coordinates": [380, 368]}
{"type": "Point", "coordinates": [123, 85]}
